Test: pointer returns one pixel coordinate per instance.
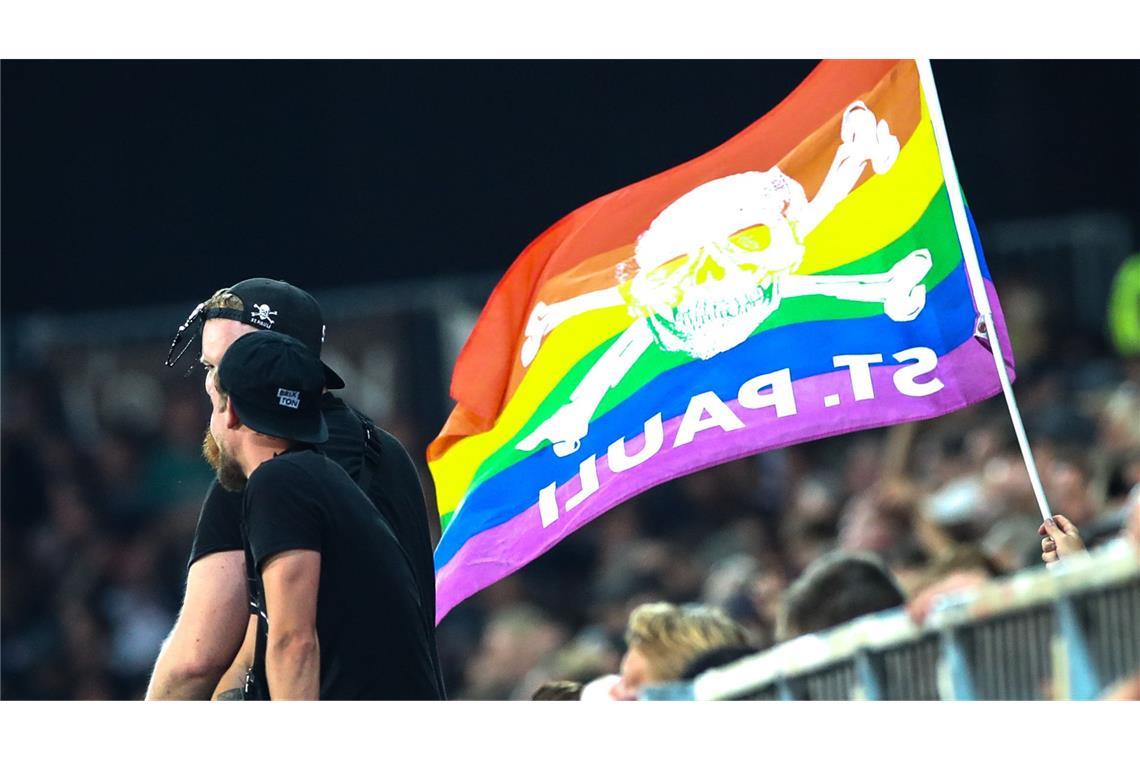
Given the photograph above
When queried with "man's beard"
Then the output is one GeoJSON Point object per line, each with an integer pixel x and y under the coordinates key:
{"type": "Point", "coordinates": [227, 468]}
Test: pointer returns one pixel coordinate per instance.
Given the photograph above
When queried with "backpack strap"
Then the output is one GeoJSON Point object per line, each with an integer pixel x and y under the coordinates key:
{"type": "Point", "coordinates": [370, 457]}
{"type": "Point", "coordinates": [254, 687]}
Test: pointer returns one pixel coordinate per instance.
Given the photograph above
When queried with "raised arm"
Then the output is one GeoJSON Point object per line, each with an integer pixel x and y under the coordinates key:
{"type": "Point", "coordinates": [209, 630]}
{"type": "Point", "coordinates": [292, 654]}
{"type": "Point", "coordinates": [1061, 539]}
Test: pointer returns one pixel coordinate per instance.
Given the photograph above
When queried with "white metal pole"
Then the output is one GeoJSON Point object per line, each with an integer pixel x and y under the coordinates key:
{"type": "Point", "coordinates": [974, 273]}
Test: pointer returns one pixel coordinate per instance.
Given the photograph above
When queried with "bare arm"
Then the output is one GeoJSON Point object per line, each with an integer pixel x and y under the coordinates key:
{"type": "Point", "coordinates": [234, 678]}
{"type": "Point", "coordinates": [292, 653]}
{"type": "Point", "coordinates": [209, 630]}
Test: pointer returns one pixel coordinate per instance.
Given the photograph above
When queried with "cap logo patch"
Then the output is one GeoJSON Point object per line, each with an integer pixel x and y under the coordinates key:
{"type": "Point", "coordinates": [261, 316]}
{"type": "Point", "coordinates": [286, 397]}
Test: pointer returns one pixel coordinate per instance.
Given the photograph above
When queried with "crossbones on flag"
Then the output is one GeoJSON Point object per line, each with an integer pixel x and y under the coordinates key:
{"type": "Point", "coordinates": [802, 280]}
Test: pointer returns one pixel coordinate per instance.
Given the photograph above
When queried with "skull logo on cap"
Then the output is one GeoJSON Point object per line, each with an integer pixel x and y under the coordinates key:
{"type": "Point", "coordinates": [261, 316]}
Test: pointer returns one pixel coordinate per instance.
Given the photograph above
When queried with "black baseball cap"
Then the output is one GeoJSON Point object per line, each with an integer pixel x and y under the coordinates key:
{"type": "Point", "coordinates": [274, 382]}
{"type": "Point", "coordinates": [270, 305]}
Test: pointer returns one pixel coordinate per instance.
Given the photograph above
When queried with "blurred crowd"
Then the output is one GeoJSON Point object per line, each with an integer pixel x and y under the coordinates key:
{"type": "Point", "coordinates": [103, 480]}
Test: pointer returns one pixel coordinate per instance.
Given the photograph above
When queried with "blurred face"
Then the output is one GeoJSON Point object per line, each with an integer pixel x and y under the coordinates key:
{"type": "Point", "coordinates": [1067, 486]}
{"type": "Point", "coordinates": [634, 675]}
{"type": "Point", "coordinates": [767, 588]}
{"type": "Point", "coordinates": [217, 335]}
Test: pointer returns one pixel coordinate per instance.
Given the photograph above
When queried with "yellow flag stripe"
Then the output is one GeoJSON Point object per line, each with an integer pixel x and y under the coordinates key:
{"type": "Point", "coordinates": [874, 215]}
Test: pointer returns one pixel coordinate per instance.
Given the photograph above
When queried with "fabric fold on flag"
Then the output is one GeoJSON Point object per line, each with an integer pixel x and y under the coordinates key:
{"type": "Point", "coordinates": [802, 280]}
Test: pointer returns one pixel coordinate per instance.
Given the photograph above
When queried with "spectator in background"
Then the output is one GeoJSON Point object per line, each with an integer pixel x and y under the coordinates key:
{"type": "Point", "coordinates": [587, 656]}
{"type": "Point", "coordinates": [515, 640]}
{"type": "Point", "coordinates": [960, 569]}
{"type": "Point", "coordinates": [835, 589]}
{"type": "Point", "coordinates": [663, 638]}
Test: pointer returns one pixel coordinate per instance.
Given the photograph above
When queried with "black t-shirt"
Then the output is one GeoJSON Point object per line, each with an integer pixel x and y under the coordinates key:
{"type": "Point", "coordinates": [381, 466]}
{"type": "Point", "coordinates": [373, 641]}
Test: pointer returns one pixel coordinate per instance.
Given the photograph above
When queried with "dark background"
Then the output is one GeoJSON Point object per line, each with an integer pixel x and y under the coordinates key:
{"type": "Point", "coordinates": [140, 182]}
{"type": "Point", "coordinates": [129, 185]}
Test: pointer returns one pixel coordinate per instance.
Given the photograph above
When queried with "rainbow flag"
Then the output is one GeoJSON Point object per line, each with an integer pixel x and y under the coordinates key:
{"type": "Point", "coordinates": [802, 280]}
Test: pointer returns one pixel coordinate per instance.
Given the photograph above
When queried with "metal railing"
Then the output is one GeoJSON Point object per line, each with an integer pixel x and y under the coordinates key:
{"type": "Point", "coordinates": [395, 344]}
{"type": "Point", "coordinates": [1066, 632]}
{"type": "Point", "coordinates": [1071, 258]}
{"type": "Point", "coordinates": [124, 326]}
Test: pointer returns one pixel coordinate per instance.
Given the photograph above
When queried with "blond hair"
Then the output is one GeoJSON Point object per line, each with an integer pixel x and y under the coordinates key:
{"type": "Point", "coordinates": [670, 637]}
{"type": "Point", "coordinates": [224, 299]}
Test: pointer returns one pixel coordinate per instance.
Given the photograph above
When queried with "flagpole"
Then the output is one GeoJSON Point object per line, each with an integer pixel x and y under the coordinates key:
{"type": "Point", "coordinates": [974, 273]}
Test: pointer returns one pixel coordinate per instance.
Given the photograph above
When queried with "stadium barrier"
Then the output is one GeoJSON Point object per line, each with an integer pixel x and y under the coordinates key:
{"type": "Point", "coordinates": [1074, 259]}
{"type": "Point", "coordinates": [1064, 632]}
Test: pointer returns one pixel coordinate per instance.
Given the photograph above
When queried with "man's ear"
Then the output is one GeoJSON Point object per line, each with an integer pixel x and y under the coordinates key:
{"type": "Point", "coordinates": [233, 422]}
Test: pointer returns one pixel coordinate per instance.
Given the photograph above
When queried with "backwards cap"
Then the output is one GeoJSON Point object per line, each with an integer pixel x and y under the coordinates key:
{"type": "Point", "coordinates": [268, 305]}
